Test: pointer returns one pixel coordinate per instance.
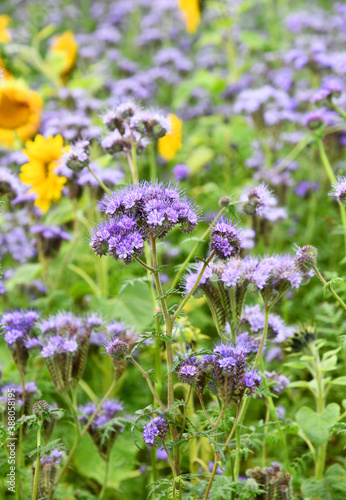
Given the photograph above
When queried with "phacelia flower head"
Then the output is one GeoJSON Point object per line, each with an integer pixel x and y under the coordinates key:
{"type": "Point", "coordinates": [76, 157]}
{"type": "Point", "coordinates": [306, 259]}
{"type": "Point", "coordinates": [189, 371]}
{"type": "Point", "coordinates": [154, 430]}
{"type": "Point", "coordinates": [117, 349]}
{"type": "Point", "coordinates": [228, 373]}
{"type": "Point", "coordinates": [339, 189]}
{"type": "Point", "coordinates": [136, 212]}
{"type": "Point", "coordinates": [225, 239]}
{"type": "Point", "coordinates": [19, 327]}
{"type": "Point", "coordinates": [130, 126]}
{"type": "Point", "coordinates": [64, 346]}
{"type": "Point", "coordinates": [106, 426]}
{"type": "Point", "coordinates": [40, 409]}
{"type": "Point", "coordinates": [258, 200]}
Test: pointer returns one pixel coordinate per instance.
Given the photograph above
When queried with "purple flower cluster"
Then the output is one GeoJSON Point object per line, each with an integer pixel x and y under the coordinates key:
{"type": "Point", "coordinates": [271, 273]}
{"type": "Point", "coordinates": [280, 382]}
{"type": "Point", "coordinates": [64, 342]}
{"type": "Point", "coordinates": [76, 158]}
{"type": "Point", "coordinates": [306, 259]}
{"type": "Point", "coordinates": [226, 371]}
{"type": "Point", "coordinates": [136, 212]}
{"type": "Point", "coordinates": [278, 330]}
{"type": "Point", "coordinates": [339, 190]}
{"type": "Point", "coordinates": [106, 426]}
{"type": "Point", "coordinates": [19, 328]}
{"type": "Point", "coordinates": [154, 430]}
{"type": "Point", "coordinates": [260, 201]}
{"type": "Point", "coordinates": [130, 126]}
{"type": "Point", "coordinates": [51, 460]}
{"type": "Point", "coordinates": [225, 239]}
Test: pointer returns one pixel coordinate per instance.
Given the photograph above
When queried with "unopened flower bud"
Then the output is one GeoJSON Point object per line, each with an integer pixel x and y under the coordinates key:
{"type": "Point", "coordinates": [306, 258]}
{"type": "Point", "coordinates": [40, 409]}
{"type": "Point", "coordinates": [224, 202]}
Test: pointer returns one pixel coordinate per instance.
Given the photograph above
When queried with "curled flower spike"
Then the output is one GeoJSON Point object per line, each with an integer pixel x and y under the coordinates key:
{"type": "Point", "coordinates": [154, 430]}
{"type": "Point", "coordinates": [225, 239]}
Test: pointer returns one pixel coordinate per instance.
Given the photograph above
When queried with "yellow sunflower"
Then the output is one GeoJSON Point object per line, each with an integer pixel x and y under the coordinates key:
{"type": "Point", "coordinates": [4, 33]}
{"type": "Point", "coordinates": [44, 154]}
{"type": "Point", "coordinates": [171, 143]}
{"type": "Point", "coordinates": [66, 45]}
{"type": "Point", "coordinates": [20, 111]}
{"type": "Point", "coordinates": [191, 14]}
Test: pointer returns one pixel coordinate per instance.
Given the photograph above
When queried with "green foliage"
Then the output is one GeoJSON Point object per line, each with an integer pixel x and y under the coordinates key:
{"type": "Point", "coordinates": [315, 425]}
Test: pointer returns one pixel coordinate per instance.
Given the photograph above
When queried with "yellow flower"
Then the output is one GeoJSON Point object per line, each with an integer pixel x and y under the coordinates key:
{"type": "Point", "coordinates": [170, 144]}
{"type": "Point", "coordinates": [5, 74]}
{"type": "Point", "coordinates": [191, 14]}
{"type": "Point", "coordinates": [20, 111]}
{"type": "Point", "coordinates": [4, 34]}
{"type": "Point", "coordinates": [65, 44]}
{"type": "Point", "coordinates": [44, 154]}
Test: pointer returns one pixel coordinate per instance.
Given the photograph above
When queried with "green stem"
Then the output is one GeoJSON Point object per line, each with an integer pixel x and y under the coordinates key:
{"type": "Point", "coordinates": [105, 480]}
{"type": "Point", "coordinates": [320, 403]}
{"type": "Point", "coordinates": [88, 390]}
{"type": "Point", "coordinates": [276, 420]}
{"type": "Point", "coordinates": [152, 162]}
{"type": "Point", "coordinates": [189, 295]}
{"type": "Point", "coordinates": [294, 153]}
{"type": "Point", "coordinates": [339, 110]}
{"type": "Point", "coordinates": [194, 249]}
{"type": "Point", "coordinates": [264, 335]}
{"type": "Point", "coordinates": [330, 288]}
{"type": "Point", "coordinates": [103, 186]}
{"type": "Point", "coordinates": [37, 465]}
{"type": "Point", "coordinates": [85, 429]}
{"type": "Point", "coordinates": [237, 457]}
{"type": "Point", "coordinates": [216, 455]}
{"type": "Point", "coordinates": [151, 387]}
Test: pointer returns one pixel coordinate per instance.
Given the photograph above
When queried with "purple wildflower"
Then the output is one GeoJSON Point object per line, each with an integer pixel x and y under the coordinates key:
{"type": "Point", "coordinates": [154, 430]}
{"type": "Point", "coordinates": [339, 189]}
{"type": "Point", "coordinates": [225, 239]}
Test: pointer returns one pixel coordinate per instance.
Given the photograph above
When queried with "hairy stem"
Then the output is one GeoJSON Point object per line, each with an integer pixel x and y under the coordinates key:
{"type": "Point", "coordinates": [330, 288]}
{"type": "Point", "coordinates": [37, 465]}
{"type": "Point", "coordinates": [151, 387]}
{"type": "Point", "coordinates": [189, 295]}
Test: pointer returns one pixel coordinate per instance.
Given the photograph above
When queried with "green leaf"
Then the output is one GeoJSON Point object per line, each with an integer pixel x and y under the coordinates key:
{"type": "Point", "coordinates": [339, 381]}
{"type": "Point", "coordinates": [316, 425]}
{"type": "Point", "coordinates": [300, 383]}
{"type": "Point", "coordinates": [329, 364]}
{"type": "Point", "coordinates": [24, 275]}
{"type": "Point", "coordinates": [199, 158]}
